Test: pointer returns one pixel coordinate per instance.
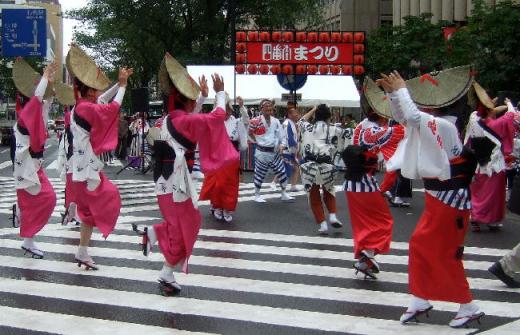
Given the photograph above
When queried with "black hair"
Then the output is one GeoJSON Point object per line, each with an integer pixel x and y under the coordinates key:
{"type": "Point", "coordinates": [459, 109]}
{"type": "Point", "coordinates": [82, 88]}
{"type": "Point", "coordinates": [322, 113]}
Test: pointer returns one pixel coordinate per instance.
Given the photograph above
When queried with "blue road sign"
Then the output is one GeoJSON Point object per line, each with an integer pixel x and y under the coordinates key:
{"type": "Point", "coordinates": [24, 32]}
{"type": "Point", "coordinates": [292, 82]}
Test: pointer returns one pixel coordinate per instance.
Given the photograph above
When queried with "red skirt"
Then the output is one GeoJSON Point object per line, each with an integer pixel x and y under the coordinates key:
{"type": "Point", "coordinates": [176, 236]}
{"type": "Point", "coordinates": [35, 210]}
{"type": "Point", "coordinates": [100, 207]}
{"type": "Point", "coordinates": [221, 187]}
{"type": "Point", "coordinates": [436, 271]}
{"type": "Point", "coordinates": [371, 222]}
{"type": "Point", "coordinates": [69, 194]}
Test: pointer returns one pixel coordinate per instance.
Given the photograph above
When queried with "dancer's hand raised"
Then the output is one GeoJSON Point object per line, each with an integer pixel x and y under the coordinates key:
{"type": "Point", "coordinates": [391, 82]}
{"type": "Point", "coordinates": [203, 83]}
{"type": "Point", "coordinates": [124, 73]}
{"type": "Point", "coordinates": [218, 82]}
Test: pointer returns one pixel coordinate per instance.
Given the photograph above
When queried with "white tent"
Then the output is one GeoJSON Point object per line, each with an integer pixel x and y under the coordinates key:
{"type": "Point", "coordinates": [336, 91]}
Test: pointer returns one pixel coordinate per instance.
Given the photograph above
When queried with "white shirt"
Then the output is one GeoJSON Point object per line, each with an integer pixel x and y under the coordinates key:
{"type": "Point", "coordinates": [236, 131]}
{"type": "Point", "coordinates": [271, 135]}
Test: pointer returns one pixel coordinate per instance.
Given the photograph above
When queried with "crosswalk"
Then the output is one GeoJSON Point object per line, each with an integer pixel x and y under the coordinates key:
{"type": "Point", "coordinates": [240, 282]}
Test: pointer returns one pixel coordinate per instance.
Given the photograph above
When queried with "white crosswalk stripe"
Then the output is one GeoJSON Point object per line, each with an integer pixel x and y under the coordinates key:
{"type": "Point", "coordinates": [233, 286]}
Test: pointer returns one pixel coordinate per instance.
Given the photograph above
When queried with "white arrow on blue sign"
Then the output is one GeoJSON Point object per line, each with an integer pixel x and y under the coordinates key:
{"type": "Point", "coordinates": [24, 32]}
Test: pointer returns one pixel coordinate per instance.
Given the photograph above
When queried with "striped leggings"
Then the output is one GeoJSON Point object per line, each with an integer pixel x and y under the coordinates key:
{"type": "Point", "coordinates": [263, 162]}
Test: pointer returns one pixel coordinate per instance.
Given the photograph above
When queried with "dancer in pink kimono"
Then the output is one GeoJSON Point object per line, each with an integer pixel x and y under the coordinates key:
{"type": "Point", "coordinates": [176, 195]}
{"type": "Point", "coordinates": [94, 129]}
{"type": "Point", "coordinates": [35, 196]}
{"type": "Point", "coordinates": [488, 195]}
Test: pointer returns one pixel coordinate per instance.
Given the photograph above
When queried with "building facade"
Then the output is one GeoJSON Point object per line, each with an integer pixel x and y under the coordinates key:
{"type": "Point", "coordinates": [356, 15]}
{"type": "Point", "coordinates": [455, 11]}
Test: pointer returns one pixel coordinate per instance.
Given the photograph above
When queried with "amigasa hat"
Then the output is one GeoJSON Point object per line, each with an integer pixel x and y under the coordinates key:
{"type": "Point", "coordinates": [172, 70]}
{"type": "Point", "coordinates": [376, 98]}
{"type": "Point", "coordinates": [26, 78]}
{"type": "Point", "coordinates": [441, 88]}
{"type": "Point", "coordinates": [64, 94]}
{"type": "Point", "coordinates": [83, 67]}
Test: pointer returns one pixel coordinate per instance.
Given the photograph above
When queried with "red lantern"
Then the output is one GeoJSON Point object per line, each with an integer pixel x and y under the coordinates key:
{"type": "Point", "coordinates": [359, 37]}
{"type": "Point", "coordinates": [252, 69]}
{"type": "Point", "coordinates": [277, 36]}
{"type": "Point", "coordinates": [265, 36]}
{"type": "Point", "coordinates": [301, 36]}
{"type": "Point", "coordinates": [240, 69]}
{"type": "Point", "coordinates": [335, 37]}
{"type": "Point", "coordinates": [312, 69]}
{"type": "Point", "coordinates": [252, 36]}
{"type": "Point", "coordinates": [347, 37]}
{"type": "Point", "coordinates": [359, 70]}
{"type": "Point", "coordinates": [335, 69]}
{"type": "Point", "coordinates": [240, 36]}
{"type": "Point", "coordinates": [346, 70]}
{"type": "Point", "coordinates": [240, 58]}
{"type": "Point", "coordinates": [359, 59]}
{"type": "Point", "coordinates": [359, 48]}
{"type": "Point", "coordinates": [324, 37]}
{"type": "Point", "coordinates": [288, 36]}
{"type": "Point", "coordinates": [264, 69]}
{"type": "Point", "coordinates": [301, 69]}
{"type": "Point", "coordinates": [324, 69]}
{"type": "Point", "coordinates": [241, 47]}
{"type": "Point", "coordinates": [275, 69]}
{"type": "Point", "coordinates": [312, 37]}
{"type": "Point", "coordinates": [287, 69]}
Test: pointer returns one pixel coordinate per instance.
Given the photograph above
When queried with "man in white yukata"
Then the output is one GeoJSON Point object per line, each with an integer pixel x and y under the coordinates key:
{"type": "Point", "coordinates": [269, 137]}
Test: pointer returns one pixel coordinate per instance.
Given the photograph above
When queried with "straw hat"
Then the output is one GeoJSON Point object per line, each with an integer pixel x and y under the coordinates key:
{"type": "Point", "coordinates": [483, 96]}
{"type": "Point", "coordinates": [376, 98]}
{"type": "Point", "coordinates": [442, 88]}
{"type": "Point", "coordinates": [25, 79]}
{"type": "Point", "coordinates": [172, 70]}
{"type": "Point", "coordinates": [64, 94]}
{"type": "Point", "coordinates": [83, 67]}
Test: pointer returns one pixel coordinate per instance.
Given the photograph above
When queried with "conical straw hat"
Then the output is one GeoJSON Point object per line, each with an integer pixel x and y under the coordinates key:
{"type": "Point", "coordinates": [483, 96]}
{"type": "Point", "coordinates": [64, 94]}
{"type": "Point", "coordinates": [376, 98]}
{"type": "Point", "coordinates": [172, 70]}
{"type": "Point", "coordinates": [442, 88]}
{"type": "Point", "coordinates": [26, 78]}
{"type": "Point", "coordinates": [83, 67]}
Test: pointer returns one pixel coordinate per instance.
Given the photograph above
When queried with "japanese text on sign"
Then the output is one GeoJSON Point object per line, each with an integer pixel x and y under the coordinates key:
{"type": "Point", "coordinates": [299, 53]}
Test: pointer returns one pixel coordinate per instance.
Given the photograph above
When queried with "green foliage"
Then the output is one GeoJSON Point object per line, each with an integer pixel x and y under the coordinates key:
{"type": "Point", "coordinates": [416, 46]}
{"type": "Point", "coordinates": [489, 42]}
{"type": "Point", "coordinates": [137, 33]}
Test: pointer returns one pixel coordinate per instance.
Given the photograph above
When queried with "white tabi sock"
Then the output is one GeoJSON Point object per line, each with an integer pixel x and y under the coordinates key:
{"type": "Point", "coordinates": [82, 253]}
{"type": "Point", "coordinates": [152, 238]}
{"type": "Point", "coordinates": [28, 243]}
{"type": "Point", "coordinates": [257, 192]}
{"type": "Point", "coordinates": [167, 274]}
{"type": "Point", "coordinates": [369, 253]}
{"type": "Point", "coordinates": [332, 217]}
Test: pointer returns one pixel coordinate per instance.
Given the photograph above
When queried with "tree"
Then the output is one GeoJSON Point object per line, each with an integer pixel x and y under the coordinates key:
{"type": "Point", "coordinates": [137, 33]}
{"type": "Point", "coordinates": [415, 47]}
{"type": "Point", "coordinates": [490, 42]}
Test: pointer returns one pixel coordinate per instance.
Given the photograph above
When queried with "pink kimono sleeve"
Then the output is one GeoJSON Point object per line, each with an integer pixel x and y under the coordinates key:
{"type": "Point", "coordinates": [104, 120]}
{"type": "Point", "coordinates": [209, 131]}
{"type": "Point", "coordinates": [31, 118]}
{"type": "Point", "coordinates": [504, 126]}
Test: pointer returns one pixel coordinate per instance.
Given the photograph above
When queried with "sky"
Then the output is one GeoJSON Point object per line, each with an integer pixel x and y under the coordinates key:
{"type": "Point", "coordinates": [68, 25]}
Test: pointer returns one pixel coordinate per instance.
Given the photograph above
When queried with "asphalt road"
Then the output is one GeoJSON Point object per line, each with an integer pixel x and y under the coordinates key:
{"type": "Point", "coordinates": [268, 272]}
